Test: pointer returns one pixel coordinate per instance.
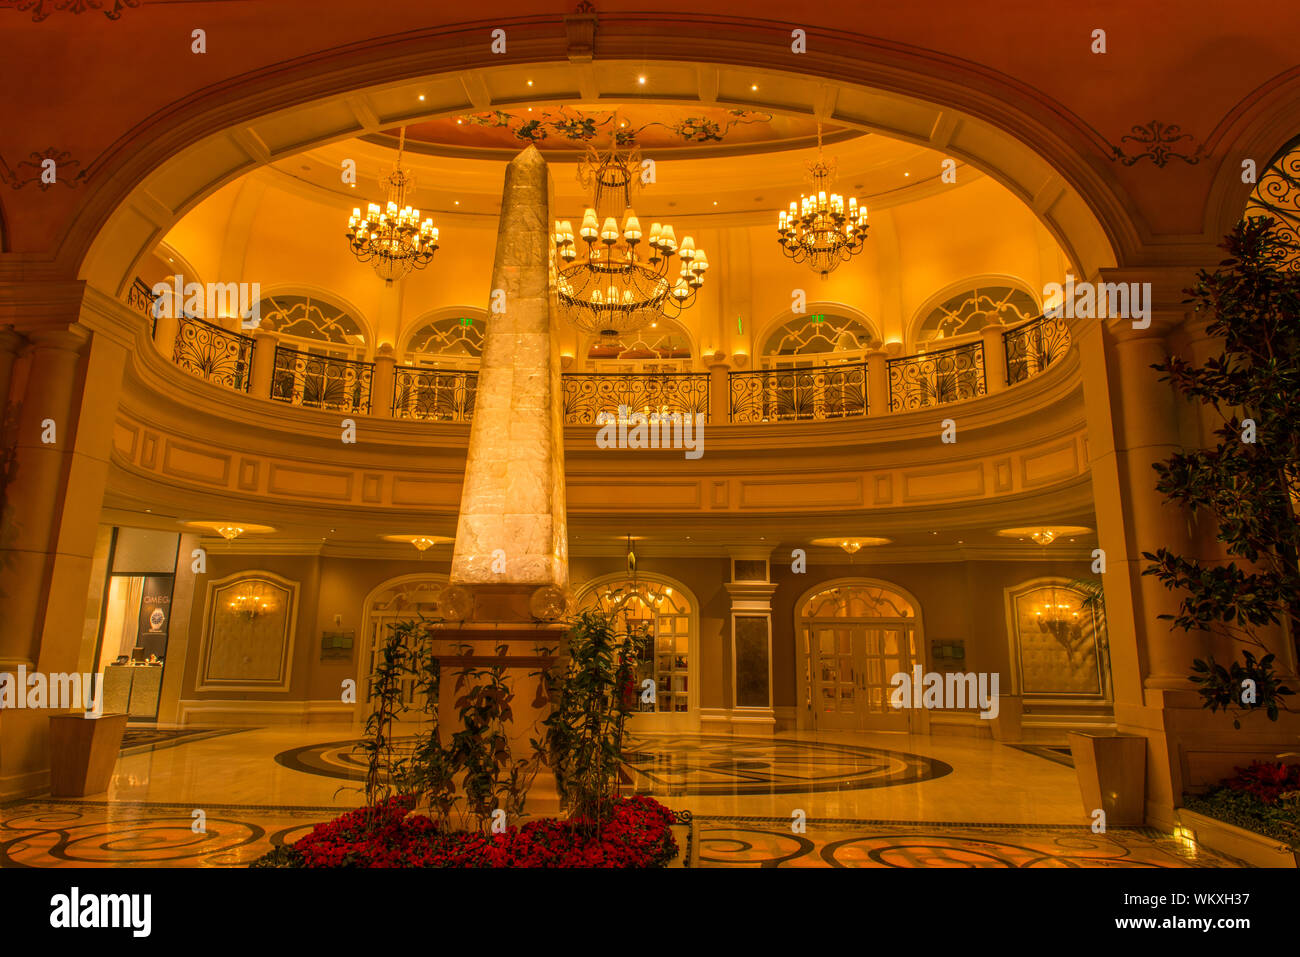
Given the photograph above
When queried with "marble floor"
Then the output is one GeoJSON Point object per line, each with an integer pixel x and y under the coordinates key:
{"type": "Point", "coordinates": [862, 800]}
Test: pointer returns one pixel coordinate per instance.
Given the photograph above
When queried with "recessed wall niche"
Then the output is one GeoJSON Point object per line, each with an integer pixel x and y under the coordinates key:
{"type": "Point", "coordinates": [248, 632]}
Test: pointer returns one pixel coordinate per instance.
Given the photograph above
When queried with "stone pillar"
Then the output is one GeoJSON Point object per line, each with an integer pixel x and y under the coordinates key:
{"type": "Point", "coordinates": [877, 382]}
{"type": "Point", "coordinates": [263, 374]}
{"type": "Point", "coordinates": [995, 357]}
{"type": "Point", "coordinates": [1133, 422]}
{"type": "Point", "coordinates": [32, 498]}
{"type": "Point", "coordinates": [719, 393]}
{"type": "Point", "coordinates": [382, 381]}
{"type": "Point", "coordinates": [512, 511]}
{"type": "Point", "coordinates": [10, 342]}
{"type": "Point", "coordinates": [167, 326]}
{"type": "Point", "coordinates": [752, 706]}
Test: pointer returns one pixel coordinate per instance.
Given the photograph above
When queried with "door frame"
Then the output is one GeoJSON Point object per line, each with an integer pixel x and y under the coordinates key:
{"type": "Point", "coordinates": [663, 721]}
{"type": "Point", "coordinates": [917, 718]}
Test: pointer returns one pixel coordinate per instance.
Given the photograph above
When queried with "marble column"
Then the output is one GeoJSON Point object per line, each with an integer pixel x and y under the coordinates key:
{"type": "Point", "coordinates": [512, 512]}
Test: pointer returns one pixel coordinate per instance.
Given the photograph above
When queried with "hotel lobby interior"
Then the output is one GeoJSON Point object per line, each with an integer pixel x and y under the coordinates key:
{"type": "Point", "coordinates": [256, 425]}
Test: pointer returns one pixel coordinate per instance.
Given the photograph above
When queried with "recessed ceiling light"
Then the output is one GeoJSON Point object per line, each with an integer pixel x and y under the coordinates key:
{"type": "Point", "coordinates": [641, 80]}
{"type": "Point", "coordinates": [421, 97]}
{"type": "Point", "coordinates": [715, 202]}
{"type": "Point", "coordinates": [907, 174]}
{"type": "Point", "coordinates": [754, 87]}
{"type": "Point", "coordinates": [530, 82]}
{"type": "Point", "coordinates": [457, 202]}
{"type": "Point", "coordinates": [170, 260]}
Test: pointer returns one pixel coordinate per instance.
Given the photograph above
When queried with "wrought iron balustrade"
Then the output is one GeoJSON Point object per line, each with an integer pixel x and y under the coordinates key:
{"type": "Point", "coordinates": [217, 355]}
{"type": "Point", "coordinates": [437, 395]}
{"type": "Point", "coordinates": [141, 298]}
{"type": "Point", "coordinates": [934, 378]}
{"type": "Point", "coordinates": [794, 395]}
{"type": "Point", "coordinates": [321, 382]}
{"type": "Point", "coordinates": [588, 395]}
{"type": "Point", "coordinates": [1033, 346]}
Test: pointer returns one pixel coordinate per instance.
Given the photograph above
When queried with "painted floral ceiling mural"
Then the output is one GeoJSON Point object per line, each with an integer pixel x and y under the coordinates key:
{"type": "Point", "coordinates": [574, 128]}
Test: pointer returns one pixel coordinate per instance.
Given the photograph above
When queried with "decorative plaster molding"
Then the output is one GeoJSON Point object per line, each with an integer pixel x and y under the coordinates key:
{"type": "Point", "coordinates": [41, 9]}
{"type": "Point", "coordinates": [1157, 140]}
{"type": "Point", "coordinates": [28, 171]}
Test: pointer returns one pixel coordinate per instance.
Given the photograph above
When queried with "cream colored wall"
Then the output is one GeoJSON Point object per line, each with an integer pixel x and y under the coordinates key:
{"type": "Point", "coordinates": [268, 228]}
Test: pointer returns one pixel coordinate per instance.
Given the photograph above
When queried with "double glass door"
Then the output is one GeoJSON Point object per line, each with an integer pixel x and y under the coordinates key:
{"type": "Point", "coordinates": [852, 670]}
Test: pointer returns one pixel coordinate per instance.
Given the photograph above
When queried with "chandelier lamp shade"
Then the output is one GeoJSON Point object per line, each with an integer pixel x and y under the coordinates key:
{"type": "Point", "coordinates": [612, 276]}
{"type": "Point", "coordinates": [820, 229]}
{"type": "Point", "coordinates": [392, 238]}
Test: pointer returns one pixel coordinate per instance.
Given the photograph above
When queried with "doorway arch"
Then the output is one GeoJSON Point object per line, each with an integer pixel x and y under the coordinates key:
{"type": "Point", "coordinates": [673, 662]}
{"type": "Point", "coordinates": [851, 636]}
{"type": "Point", "coordinates": [397, 599]}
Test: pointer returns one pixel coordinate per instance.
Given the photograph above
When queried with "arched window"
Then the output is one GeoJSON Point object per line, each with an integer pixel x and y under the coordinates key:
{"type": "Point", "coordinates": [856, 635]}
{"type": "Point", "coordinates": [1277, 195]}
{"type": "Point", "coordinates": [670, 659]}
{"type": "Point", "coordinates": [449, 341]}
{"type": "Point", "coordinates": [968, 311]}
{"type": "Point", "coordinates": [661, 346]}
{"type": "Point", "coordinates": [815, 339]}
{"type": "Point", "coordinates": [310, 324]}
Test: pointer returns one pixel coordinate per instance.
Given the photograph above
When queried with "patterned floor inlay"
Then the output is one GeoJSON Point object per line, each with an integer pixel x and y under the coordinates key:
{"type": "Point", "coordinates": [52, 833]}
{"type": "Point", "coordinates": [1057, 755]}
{"type": "Point", "coordinates": [140, 740]}
{"type": "Point", "coordinates": [684, 764]}
{"type": "Point", "coordinates": [771, 842]}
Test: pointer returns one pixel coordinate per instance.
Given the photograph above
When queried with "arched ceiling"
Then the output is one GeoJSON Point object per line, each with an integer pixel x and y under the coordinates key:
{"type": "Point", "coordinates": [759, 174]}
{"type": "Point", "coordinates": [566, 130]}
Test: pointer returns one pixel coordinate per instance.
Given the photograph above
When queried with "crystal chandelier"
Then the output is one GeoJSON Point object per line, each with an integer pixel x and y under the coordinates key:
{"type": "Point", "coordinates": [617, 283]}
{"type": "Point", "coordinates": [393, 239]}
{"type": "Point", "coordinates": [818, 230]}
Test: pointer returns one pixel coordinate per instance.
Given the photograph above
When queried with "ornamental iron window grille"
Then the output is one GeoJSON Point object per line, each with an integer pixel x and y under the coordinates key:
{"type": "Point", "coordinates": [969, 311]}
{"type": "Point", "coordinates": [1277, 196]}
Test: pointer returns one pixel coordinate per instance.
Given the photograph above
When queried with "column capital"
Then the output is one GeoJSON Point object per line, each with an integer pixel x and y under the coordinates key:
{"type": "Point", "coordinates": [54, 338]}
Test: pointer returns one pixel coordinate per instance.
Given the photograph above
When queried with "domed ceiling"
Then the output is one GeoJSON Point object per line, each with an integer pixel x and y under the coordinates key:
{"type": "Point", "coordinates": [570, 129]}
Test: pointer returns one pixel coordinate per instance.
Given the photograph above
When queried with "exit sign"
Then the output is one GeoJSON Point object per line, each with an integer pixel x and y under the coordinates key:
{"type": "Point", "coordinates": [819, 318]}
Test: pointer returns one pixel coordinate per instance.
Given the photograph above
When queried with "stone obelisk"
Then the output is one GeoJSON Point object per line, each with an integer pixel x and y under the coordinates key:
{"type": "Point", "coordinates": [512, 529]}
{"type": "Point", "coordinates": [510, 567]}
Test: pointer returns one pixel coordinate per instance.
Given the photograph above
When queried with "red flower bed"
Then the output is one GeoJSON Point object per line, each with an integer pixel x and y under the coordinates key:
{"type": "Point", "coordinates": [635, 835]}
{"type": "Point", "coordinates": [1266, 780]}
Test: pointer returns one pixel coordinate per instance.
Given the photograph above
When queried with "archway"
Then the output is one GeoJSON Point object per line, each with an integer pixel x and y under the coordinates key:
{"type": "Point", "coordinates": [853, 635]}
{"type": "Point", "coordinates": [398, 599]}
{"type": "Point", "coordinates": [917, 99]}
{"type": "Point", "coordinates": [672, 661]}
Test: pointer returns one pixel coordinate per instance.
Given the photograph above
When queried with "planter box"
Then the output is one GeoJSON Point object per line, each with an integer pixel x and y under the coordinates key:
{"type": "Point", "coordinates": [1112, 770]}
{"type": "Point", "coordinates": [83, 752]}
{"type": "Point", "coordinates": [1254, 848]}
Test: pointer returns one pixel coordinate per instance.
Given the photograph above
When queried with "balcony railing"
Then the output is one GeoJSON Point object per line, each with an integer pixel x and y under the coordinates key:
{"type": "Point", "coordinates": [141, 298]}
{"type": "Point", "coordinates": [1033, 346]}
{"type": "Point", "coordinates": [795, 395]}
{"type": "Point", "coordinates": [588, 396]}
{"type": "Point", "coordinates": [436, 395]}
{"type": "Point", "coordinates": [933, 378]}
{"type": "Point", "coordinates": [225, 358]}
{"type": "Point", "coordinates": [217, 355]}
{"type": "Point", "coordinates": [321, 382]}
